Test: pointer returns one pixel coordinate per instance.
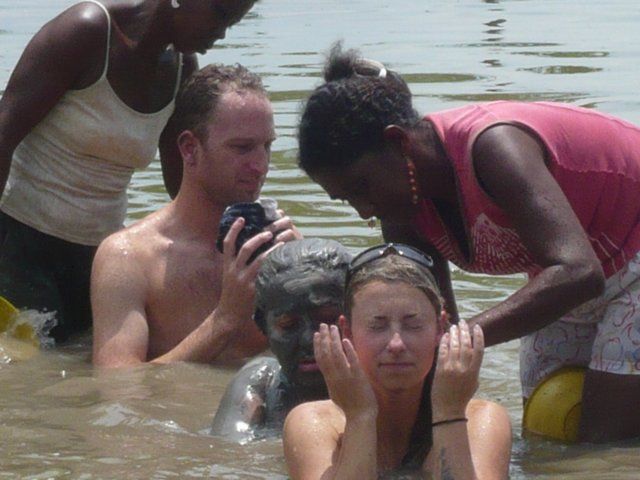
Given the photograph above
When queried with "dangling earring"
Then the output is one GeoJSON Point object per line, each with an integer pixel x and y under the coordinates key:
{"type": "Point", "coordinates": [413, 184]}
{"type": "Point", "coordinates": [371, 223]}
{"type": "Point", "coordinates": [175, 4]}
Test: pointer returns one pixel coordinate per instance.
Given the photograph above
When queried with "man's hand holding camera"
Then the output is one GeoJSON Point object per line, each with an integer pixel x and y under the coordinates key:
{"type": "Point", "coordinates": [283, 229]}
{"type": "Point", "coordinates": [239, 273]}
{"type": "Point", "coordinates": [243, 252]}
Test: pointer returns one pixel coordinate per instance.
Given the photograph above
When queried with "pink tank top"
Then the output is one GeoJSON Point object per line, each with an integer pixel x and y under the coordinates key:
{"type": "Point", "coordinates": [595, 158]}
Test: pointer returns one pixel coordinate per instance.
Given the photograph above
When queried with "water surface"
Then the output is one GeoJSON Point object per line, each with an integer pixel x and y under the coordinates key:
{"type": "Point", "coordinates": [60, 419]}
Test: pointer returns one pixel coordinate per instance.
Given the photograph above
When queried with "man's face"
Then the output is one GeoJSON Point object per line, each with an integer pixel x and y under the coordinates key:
{"type": "Point", "coordinates": [236, 153]}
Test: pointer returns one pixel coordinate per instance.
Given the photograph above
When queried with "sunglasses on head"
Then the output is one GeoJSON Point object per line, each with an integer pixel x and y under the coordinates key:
{"type": "Point", "coordinates": [381, 251]}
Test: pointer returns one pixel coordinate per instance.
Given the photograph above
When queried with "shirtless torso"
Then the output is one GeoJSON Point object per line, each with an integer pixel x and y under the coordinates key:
{"type": "Point", "coordinates": [160, 291]}
{"type": "Point", "coordinates": [164, 263]}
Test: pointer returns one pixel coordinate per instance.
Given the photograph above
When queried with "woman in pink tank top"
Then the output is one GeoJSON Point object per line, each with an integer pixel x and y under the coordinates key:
{"type": "Point", "coordinates": [546, 189]}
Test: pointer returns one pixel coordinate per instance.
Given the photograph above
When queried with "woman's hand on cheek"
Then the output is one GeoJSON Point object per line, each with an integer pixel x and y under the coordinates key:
{"type": "Point", "coordinates": [456, 377]}
{"type": "Point", "coordinates": [348, 386]}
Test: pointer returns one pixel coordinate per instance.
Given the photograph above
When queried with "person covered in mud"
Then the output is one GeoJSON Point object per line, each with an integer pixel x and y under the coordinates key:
{"type": "Point", "coordinates": [401, 386]}
{"type": "Point", "coordinates": [299, 286]}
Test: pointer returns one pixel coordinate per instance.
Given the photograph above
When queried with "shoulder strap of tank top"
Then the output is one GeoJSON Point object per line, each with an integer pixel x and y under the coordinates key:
{"type": "Point", "coordinates": [179, 77]}
{"type": "Point", "coordinates": [106, 57]}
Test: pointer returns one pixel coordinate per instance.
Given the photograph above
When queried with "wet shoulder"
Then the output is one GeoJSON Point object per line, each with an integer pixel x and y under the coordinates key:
{"type": "Point", "coordinates": [148, 236]}
{"type": "Point", "coordinates": [131, 251]}
{"type": "Point", "coordinates": [130, 240]}
{"type": "Point", "coordinates": [319, 415]}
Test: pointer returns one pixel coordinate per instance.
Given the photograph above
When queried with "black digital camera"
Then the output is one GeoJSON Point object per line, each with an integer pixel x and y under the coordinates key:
{"type": "Point", "coordinates": [256, 217]}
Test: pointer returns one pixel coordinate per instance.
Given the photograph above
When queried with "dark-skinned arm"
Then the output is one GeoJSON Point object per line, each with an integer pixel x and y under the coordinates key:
{"type": "Point", "coordinates": [62, 55]}
{"type": "Point", "coordinates": [406, 234]}
{"type": "Point", "coordinates": [170, 158]}
{"type": "Point", "coordinates": [510, 165]}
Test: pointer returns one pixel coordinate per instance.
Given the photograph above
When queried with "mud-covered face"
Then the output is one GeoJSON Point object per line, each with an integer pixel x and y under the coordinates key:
{"type": "Point", "coordinates": [290, 336]}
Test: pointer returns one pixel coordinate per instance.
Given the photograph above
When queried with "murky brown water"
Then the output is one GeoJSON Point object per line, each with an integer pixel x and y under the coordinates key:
{"type": "Point", "coordinates": [61, 419]}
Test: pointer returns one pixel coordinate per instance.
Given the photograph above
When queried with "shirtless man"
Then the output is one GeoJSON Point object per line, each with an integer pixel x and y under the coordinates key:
{"type": "Point", "coordinates": [160, 290]}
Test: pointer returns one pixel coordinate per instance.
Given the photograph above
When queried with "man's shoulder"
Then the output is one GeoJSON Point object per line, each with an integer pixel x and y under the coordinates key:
{"type": "Point", "coordinates": [138, 239]}
{"type": "Point", "coordinates": [131, 254]}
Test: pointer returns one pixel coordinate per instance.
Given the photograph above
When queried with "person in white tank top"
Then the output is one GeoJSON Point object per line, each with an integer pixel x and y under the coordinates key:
{"type": "Point", "coordinates": [84, 107]}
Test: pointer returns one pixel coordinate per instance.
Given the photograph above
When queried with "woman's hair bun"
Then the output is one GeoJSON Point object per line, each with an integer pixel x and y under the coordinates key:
{"type": "Point", "coordinates": [343, 64]}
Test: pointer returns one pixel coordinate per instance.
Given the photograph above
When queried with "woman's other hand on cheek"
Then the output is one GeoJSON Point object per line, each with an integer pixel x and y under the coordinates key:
{"type": "Point", "coordinates": [456, 378]}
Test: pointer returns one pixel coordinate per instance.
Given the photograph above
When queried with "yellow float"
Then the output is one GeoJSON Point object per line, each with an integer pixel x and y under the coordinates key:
{"type": "Point", "coordinates": [10, 324]}
{"type": "Point", "coordinates": [553, 410]}
{"type": "Point", "coordinates": [7, 314]}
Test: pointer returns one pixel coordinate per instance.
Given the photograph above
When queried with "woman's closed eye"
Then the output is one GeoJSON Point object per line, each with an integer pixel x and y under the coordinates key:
{"type": "Point", "coordinates": [377, 324]}
{"type": "Point", "coordinates": [413, 324]}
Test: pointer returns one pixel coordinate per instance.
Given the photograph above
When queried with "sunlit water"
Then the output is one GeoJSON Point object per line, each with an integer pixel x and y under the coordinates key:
{"type": "Point", "coordinates": [61, 419]}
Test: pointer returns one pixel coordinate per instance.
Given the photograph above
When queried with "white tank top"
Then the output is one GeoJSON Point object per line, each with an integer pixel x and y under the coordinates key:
{"type": "Point", "coordinates": [69, 175]}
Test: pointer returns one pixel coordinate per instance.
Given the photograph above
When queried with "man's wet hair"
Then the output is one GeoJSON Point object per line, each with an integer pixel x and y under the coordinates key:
{"type": "Point", "coordinates": [198, 97]}
{"type": "Point", "coordinates": [345, 117]}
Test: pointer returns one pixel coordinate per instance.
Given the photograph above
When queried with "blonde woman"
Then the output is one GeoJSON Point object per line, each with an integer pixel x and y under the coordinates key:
{"type": "Point", "coordinates": [401, 389]}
